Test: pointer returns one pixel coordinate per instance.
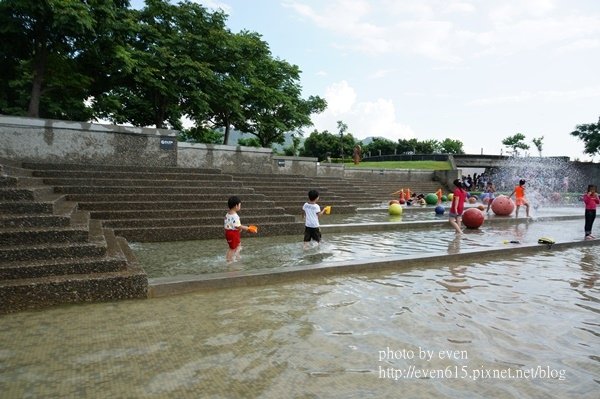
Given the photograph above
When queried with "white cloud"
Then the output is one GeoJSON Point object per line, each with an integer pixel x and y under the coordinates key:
{"type": "Point", "coordinates": [364, 119]}
{"type": "Point", "coordinates": [340, 97]}
{"type": "Point", "coordinates": [540, 96]}
{"type": "Point", "coordinates": [451, 32]}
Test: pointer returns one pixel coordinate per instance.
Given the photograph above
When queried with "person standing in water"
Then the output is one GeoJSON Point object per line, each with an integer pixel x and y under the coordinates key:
{"type": "Point", "coordinates": [590, 199]}
{"type": "Point", "coordinates": [457, 207]}
{"type": "Point", "coordinates": [519, 193]}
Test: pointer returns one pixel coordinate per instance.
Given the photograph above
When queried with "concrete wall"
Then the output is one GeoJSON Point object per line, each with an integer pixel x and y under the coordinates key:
{"type": "Point", "coordinates": [46, 140]}
{"type": "Point", "coordinates": [238, 159]}
{"type": "Point", "coordinates": [405, 175]}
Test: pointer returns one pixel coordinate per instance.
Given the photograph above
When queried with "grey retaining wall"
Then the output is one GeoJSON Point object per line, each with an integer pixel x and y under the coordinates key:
{"type": "Point", "coordinates": [46, 140]}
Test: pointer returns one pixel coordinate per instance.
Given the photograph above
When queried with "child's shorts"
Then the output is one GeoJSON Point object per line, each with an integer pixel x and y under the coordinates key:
{"type": "Point", "coordinates": [233, 238]}
{"type": "Point", "coordinates": [453, 215]}
{"type": "Point", "coordinates": [521, 201]}
{"type": "Point", "coordinates": [312, 233]}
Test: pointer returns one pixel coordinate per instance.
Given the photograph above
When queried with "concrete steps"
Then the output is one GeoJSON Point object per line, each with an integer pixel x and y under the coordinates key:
{"type": "Point", "coordinates": [52, 253]}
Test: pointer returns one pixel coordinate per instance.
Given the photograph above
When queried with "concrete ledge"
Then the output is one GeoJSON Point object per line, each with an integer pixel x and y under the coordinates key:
{"type": "Point", "coordinates": [160, 287]}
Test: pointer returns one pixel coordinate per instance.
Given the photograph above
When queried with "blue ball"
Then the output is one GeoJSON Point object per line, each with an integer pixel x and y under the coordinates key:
{"type": "Point", "coordinates": [439, 210]}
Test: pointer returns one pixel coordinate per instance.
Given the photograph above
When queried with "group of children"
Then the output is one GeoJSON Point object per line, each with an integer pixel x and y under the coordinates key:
{"type": "Point", "coordinates": [312, 212]}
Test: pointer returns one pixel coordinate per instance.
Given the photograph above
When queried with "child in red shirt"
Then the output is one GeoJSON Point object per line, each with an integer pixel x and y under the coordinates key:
{"type": "Point", "coordinates": [458, 205]}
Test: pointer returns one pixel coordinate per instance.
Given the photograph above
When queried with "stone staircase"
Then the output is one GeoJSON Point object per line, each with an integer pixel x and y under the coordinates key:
{"type": "Point", "coordinates": [147, 204]}
{"type": "Point", "coordinates": [290, 192]}
{"type": "Point", "coordinates": [51, 252]}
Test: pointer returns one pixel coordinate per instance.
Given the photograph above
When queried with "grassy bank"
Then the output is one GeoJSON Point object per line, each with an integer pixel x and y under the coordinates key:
{"type": "Point", "coordinates": [429, 165]}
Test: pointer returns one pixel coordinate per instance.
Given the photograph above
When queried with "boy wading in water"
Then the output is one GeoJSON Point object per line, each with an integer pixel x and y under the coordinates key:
{"type": "Point", "coordinates": [233, 229]}
{"type": "Point", "coordinates": [312, 212]}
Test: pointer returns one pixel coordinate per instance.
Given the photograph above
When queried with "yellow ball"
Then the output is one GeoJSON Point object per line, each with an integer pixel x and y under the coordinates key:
{"type": "Point", "coordinates": [450, 196]}
{"type": "Point", "coordinates": [395, 209]}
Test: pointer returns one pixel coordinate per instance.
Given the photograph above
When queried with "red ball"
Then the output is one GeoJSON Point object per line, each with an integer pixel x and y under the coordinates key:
{"type": "Point", "coordinates": [503, 206]}
{"type": "Point", "coordinates": [473, 218]}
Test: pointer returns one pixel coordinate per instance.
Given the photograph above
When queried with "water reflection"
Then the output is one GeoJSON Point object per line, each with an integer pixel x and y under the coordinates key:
{"type": "Point", "coordinates": [202, 257]}
{"type": "Point", "coordinates": [325, 337]}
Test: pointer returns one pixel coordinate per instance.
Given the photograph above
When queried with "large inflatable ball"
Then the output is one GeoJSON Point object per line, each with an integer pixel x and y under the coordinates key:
{"type": "Point", "coordinates": [393, 202]}
{"type": "Point", "coordinates": [439, 210]}
{"type": "Point", "coordinates": [395, 209]}
{"type": "Point", "coordinates": [481, 207]}
{"type": "Point", "coordinates": [431, 199]}
{"type": "Point", "coordinates": [555, 197]}
{"type": "Point", "coordinates": [472, 218]}
{"type": "Point", "coordinates": [472, 200]}
{"type": "Point", "coordinates": [445, 198]}
{"type": "Point", "coordinates": [450, 196]}
{"type": "Point", "coordinates": [502, 205]}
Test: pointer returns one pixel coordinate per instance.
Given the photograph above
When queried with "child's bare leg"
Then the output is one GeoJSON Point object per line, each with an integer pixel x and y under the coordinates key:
{"type": "Point", "coordinates": [229, 256]}
{"type": "Point", "coordinates": [527, 210]}
{"type": "Point", "coordinates": [237, 255]}
{"type": "Point", "coordinates": [517, 211]}
{"type": "Point", "coordinates": [456, 226]}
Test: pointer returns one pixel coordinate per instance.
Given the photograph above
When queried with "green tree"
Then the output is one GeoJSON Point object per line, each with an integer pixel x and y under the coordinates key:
{"type": "Point", "coordinates": [249, 142]}
{"type": "Point", "coordinates": [590, 135]}
{"type": "Point", "coordinates": [274, 104]}
{"type": "Point", "coordinates": [384, 145]}
{"type": "Point", "coordinates": [166, 75]}
{"type": "Point", "coordinates": [450, 146]}
{"type": "Point", "coordinates": [405, 146]}
{"type": "Point", "coordinates": [232, 59]}
{"type": "Point", "coordinates": [320, 145]}
{"type": "Point", "coordinates": [428, 147]}
{"type": "Point", "coordinates": [515, 143]}
{"type": "Point", "coordinates": [538, 143]}
{"type": "Point", "coordinates": [43, 51]}
{"type": "Point", "coordinates": [200, 134]}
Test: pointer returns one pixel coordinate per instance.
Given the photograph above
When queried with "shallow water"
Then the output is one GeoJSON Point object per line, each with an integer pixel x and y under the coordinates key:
{"type": "Point", "coordinates": [417, 214]}
{"type": "Point", "coordinates": [208, 256]}
{"type": "Point", "coordinates": [337, 337]}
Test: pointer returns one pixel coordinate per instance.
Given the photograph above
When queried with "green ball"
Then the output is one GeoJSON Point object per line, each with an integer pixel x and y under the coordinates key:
{"type": "Point", "coordinates": [444, 198]}
{"type": "Point", "coordinates": [431, 199]}
{"type": "Point", "coordinates": [395, 209]}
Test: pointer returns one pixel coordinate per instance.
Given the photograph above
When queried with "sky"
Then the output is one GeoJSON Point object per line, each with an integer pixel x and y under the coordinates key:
{"type": "Point", "coordinates": [477, 71]}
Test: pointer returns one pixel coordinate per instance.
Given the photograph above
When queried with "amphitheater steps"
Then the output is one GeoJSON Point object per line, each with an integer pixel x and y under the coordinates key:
{"type": "Point", "coordinates": [291, 191]}
{"type": "Point", "coordinates": [52, 253]}
{"type": "Point", "coordinates": [161, 204]}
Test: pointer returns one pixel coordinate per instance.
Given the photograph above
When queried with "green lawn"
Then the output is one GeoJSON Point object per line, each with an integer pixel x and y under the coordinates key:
{"type": "Point", "coordinates": [430, 165]}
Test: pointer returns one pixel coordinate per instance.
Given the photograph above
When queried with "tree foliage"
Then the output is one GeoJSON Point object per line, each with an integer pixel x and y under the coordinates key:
{"type": "Point", "coordinates": [516, 143]}
{"type": "Point", "coordinates": [381, 146]}
{"type": "Point", "coordinates": [45, 47]}
{"type": "Point", "coordinates": [147, 67]}
{"type": "Point", "coordinates": [538, 143]}
{"type": "Point", "coordinates": [590, 135]}
{"type": "Point", "coordinates": [323, 145]}
{"type": "Point", "coordinates": [450, 146]}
